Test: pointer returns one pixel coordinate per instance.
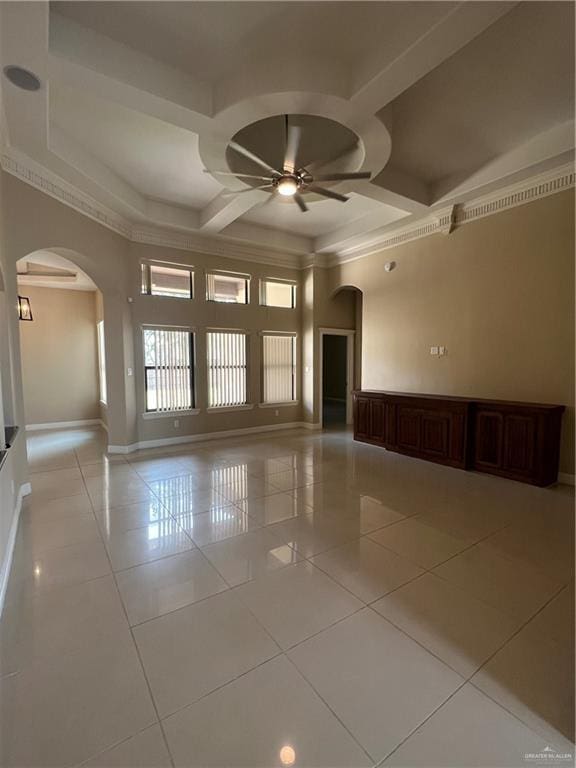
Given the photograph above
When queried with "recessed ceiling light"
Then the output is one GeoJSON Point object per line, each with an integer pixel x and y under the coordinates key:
{"type": "Point", "coordinates": [22, 78]}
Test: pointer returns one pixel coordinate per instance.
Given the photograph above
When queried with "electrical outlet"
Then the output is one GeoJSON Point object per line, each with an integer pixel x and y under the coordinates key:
{"type": "Point", "coordinates": [276, 412]}
{"type": "Point", "coordinates": [176, 423]}
{"type": "Point", "coordinates": [442, 350]}
{"type": "Point", "coordinates": [433, 350]}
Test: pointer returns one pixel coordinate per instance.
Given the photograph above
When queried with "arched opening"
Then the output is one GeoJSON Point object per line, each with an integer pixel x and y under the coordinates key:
{"type": "Point", "coordinates": [62, 342]}
{"type": "Point", "coordinates": [340, 357]}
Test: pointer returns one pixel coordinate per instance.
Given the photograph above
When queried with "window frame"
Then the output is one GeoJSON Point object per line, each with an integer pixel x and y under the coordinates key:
{"type": "Point", "coordinates": [292, 283]}
{"type": "Point", "coordinates": [101, 346]}
{"type": "Point", "coordinates": [275, 404]}
{"type": "Point", "coordinates": [146, 278]}
{"type": "Point", "coordinates": [191, 409]}
{"type": "Point", "coordinates": [247, 405]}
{"type": "Point", "coordinates": [227, 273]}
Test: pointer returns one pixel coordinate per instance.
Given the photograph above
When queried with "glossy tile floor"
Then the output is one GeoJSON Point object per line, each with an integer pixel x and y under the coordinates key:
{"type": "Point", "coordinates": [298, 600]}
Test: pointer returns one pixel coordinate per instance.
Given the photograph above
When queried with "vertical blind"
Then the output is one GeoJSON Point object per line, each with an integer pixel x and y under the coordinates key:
{"type": "Point", "coordinates": [279, 368]}
{"type": "Point", "coordinates": [168, 371]}
{"type": "Point", "coordinates": [226, 368]}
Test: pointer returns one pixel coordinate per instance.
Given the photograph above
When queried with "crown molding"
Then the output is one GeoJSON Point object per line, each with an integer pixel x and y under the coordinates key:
{"type": "Point", "coordinates": [26, 170]}
{"type": "Point", "coordinates": [445, 220]}
{"type": "Point", "coordinates": [438, 221]}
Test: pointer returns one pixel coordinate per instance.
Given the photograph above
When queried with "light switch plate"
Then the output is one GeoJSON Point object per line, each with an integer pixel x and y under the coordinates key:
{"type": "Point", "coordinates": [433, 350]}
{"type": "Point", "coordinates": [441, 350]}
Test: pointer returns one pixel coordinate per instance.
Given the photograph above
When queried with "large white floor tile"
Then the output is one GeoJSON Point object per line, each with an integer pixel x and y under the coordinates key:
{"type": "Point", "coordinates": [269, 717]}
{"type": "Point", "coordinates": [468, 731]}
{"type": "Point", "coordinates": [197, 649]}
{"type": "Point", "coordinates": [378, 681]}
{"type": "Point", "coordinates": [64, 710]}
{"type": "Point", "coordinates": [419, 542]}
{"type": "Point", "coordinates": [216, 525]}
{"type": "Point", "coordinates": [507, 584]}
{"type": "Point", "coordinates": [59, 621]}
{"type": "Point", "coordinates": [145, 750]}
{"type": "Point", "coordinates": [297, 602]}
{"type": "Point", "coordinates": [312, 533]}
{"type": "Point", "coordinates": [250, 556]}
{"type": "Point", "coordinates": [454, 626]}
{"type": "Point", "coordinates": [165, 585]}
{"type": "Point", "coordinates": [143, 545]}
{"type": "Point", "coordinates": [37, 535]}
{"type": "Point", "coordinates": [137, 515]}
{"type": "Point", "coordinates": [533, 675]}
{"type": "Point", "coordinates": [274, 509]}
{"type": "Point", "coordinates": [368, 570]}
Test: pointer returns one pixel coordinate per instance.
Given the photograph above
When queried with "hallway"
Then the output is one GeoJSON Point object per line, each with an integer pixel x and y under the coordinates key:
{"type": "Point", "coordinates": [294, 599]}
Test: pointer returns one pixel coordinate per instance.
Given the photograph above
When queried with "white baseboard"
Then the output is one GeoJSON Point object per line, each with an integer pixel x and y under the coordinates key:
{"type": "Point", "coordinates": [566, 478]}
{"type": "Point", "coordinates": [161, 442]}
{"type": "Point", "coordinates": [25, 489]}
{"type": "Point", "coordinates": [64, 424]}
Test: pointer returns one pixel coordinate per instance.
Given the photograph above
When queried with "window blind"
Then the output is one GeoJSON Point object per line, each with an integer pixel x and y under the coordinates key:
{"type": "Point", "coordinates": [279, 368]}
{"type": "Point", "coordinates": [168, 371]}
{"type": "Point", "coordinates": [226, 368]}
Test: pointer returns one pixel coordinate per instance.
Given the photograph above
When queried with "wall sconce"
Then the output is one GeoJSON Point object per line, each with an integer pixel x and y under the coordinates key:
{"type": "Point", "coordinates": [24, 308]}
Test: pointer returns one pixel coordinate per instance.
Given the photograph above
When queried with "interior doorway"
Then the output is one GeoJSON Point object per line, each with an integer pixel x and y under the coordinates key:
{"type": "Point", "coordinates": [337, 376]}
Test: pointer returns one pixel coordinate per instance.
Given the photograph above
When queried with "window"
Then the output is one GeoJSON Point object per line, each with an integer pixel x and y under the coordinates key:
{"type": "Point", "coordinates": [168, 371]}
{"type": "Point", "coordinates": [227, 288]}
{"type": "Point", "coordinates": [101, 361]}
{"type": "Point", "coordinates": [278, 293]}
{"type": "Point", "coordinates": [279, 368]}
{"type": "Point", "coordinates": [226, 368]}
{"type": "Point", "coordinates": [164, 280]}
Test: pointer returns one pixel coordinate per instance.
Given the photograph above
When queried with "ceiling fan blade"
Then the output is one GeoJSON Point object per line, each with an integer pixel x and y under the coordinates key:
{"type": "Point", "coordinates": [327, 193]}
{"type": "Point", "coordinates": [239, 175]}
{"type": "Point", "coordinates": [255, 159]}
{"type": "Point", "coordinates": [232, 192]}
{"type": "Point", "coordinates": [341, 176]}
{"type": "Point", "coordinates": [293, 136]}
{"type": "Point", "coordinates": [299, 200]}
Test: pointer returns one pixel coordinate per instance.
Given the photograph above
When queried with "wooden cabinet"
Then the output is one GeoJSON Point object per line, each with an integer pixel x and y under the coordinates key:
{"type": "Point", "coordinates": [516, 440]}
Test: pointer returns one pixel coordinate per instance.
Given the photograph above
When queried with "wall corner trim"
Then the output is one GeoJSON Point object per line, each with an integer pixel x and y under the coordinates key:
{"type": "Point", "coordinates": [25, 490]}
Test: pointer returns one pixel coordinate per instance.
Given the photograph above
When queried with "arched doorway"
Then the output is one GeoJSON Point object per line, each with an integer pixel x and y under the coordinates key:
{"type": "Point", "coordinates": [62, 343]}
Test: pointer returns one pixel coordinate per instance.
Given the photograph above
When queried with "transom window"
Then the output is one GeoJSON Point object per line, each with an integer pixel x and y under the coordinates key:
{"type": "Point", "coordinates": [227, 288]}
{"type": "Point", "coordinates": [167, 280]}
{"type": "Point", "coordinates": [278, 293]}
{"type": "Point", "coordinates": [227, 368]}
{"type": "Point", "coordinates": [168, 369]}
{"type": "Point", "coordinates": [279, 368]}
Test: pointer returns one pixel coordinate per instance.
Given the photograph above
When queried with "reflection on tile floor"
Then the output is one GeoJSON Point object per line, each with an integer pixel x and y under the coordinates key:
{"type": "Point", "coordinates": [298, 600]}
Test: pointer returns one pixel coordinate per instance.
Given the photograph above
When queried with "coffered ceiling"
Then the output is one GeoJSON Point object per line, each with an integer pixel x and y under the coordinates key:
{"type": "Point", "coordinates": [441, 101]}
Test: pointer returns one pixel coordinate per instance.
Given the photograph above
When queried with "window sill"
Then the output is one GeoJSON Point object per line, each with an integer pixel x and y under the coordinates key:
{"type": "Point", "coordinates": [227, 408]}
{"type": "Point", "coordinates": [170, 414]}
{"type": "Point", "coordinates": [289, 404]}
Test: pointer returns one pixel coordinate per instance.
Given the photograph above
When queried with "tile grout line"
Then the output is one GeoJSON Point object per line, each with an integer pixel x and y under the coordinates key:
{"type": "Point", "coordinates": [137, 650]}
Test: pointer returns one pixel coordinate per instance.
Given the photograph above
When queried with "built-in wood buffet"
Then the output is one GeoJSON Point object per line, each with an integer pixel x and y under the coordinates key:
{"type": "Point", "coordinates": [520, 441]}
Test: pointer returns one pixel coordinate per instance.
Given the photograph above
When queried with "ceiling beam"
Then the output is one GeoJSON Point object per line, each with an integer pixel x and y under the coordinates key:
{"type": "Point", "coordinates": [455, 30]}
{"type": "Point", "coordinates": [397, 199]}
{"type": "Point", "coordinates": [223, 210]}
{"type": "Point", "coordinates": [83, 59]}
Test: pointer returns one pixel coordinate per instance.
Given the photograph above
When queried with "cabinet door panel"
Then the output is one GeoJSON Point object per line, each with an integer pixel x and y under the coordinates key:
{"type": "Point", "coordinates": [435, 435]}
{"type": "Point", "coordinates": [489, 439]}
{"type": "Point", "coordinates": [378, 421]}
{"type": "Point", "coordinates": [362, 407]}
{"type": "Point", "coordinates": [519, 443]}
{"type": "Point", "coordinates": [409, 427]}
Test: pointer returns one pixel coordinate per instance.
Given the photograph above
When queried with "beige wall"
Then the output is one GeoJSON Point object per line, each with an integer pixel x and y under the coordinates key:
{"type": "Point", "coordinates": [498, 293]}
{"type": "Point", "coordinates": [59, 356]}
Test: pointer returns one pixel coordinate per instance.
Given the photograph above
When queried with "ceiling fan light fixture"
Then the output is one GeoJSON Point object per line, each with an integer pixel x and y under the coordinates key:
{"type": "Point", "coordinates": [287, 186]}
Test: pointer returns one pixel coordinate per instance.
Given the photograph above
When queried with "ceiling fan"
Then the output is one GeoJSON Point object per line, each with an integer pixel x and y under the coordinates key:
{"type": "Point", "coordinates": [292, 180]}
